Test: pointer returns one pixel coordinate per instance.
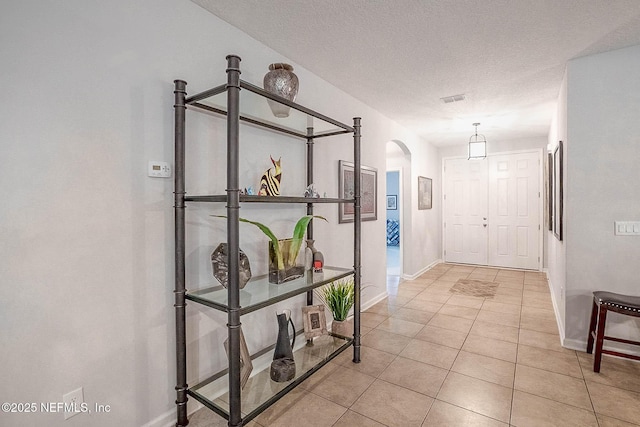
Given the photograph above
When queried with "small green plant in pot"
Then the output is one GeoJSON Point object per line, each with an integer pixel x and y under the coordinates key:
{"type": "Point", "coordinates": [283, 253]}
{"type": "Point", "coordinates": [338, 296]}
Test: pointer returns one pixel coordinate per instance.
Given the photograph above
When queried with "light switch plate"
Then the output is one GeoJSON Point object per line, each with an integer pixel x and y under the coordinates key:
{"type": "Point", "coordinates": [159, 169]}
{"type": "Point", "coordinates": [627, 228]}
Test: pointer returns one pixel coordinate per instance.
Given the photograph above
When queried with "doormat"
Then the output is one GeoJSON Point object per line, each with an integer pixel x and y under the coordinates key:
{"type": "Point", "coordinates": [474, 288]}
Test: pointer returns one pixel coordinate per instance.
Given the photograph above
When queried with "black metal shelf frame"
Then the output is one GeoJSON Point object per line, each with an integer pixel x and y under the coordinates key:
{"type": "Point", "coordinates": [233, 199]}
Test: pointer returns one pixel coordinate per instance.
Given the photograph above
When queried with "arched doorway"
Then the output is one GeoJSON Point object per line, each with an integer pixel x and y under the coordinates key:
{"type": "Point", "coordinates": [398, 212]}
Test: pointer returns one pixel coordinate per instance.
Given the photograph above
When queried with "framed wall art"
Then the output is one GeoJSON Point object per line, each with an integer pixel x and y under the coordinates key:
{"type": "Point", "coordinates": [392, 202]}
{"type": "Point", "coordinates": [315, 321]}
{"type": "Point", "coordinates": [425, 196]}
{"type": "Point", "coordinates": [549, 190]}
{"type": "Point", "coordinates": [557, 190]}
{"type": "Point", "coordinates": [368, 192]}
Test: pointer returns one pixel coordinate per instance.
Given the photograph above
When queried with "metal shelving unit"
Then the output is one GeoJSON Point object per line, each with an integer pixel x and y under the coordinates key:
{"type": "Point", "coordinates": [222, 392]}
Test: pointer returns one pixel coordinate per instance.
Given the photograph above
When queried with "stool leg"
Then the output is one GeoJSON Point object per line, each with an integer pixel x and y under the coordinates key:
{"type": "Point", "coordinates": [592, 326]}
{"type": "Point", "coordinates": [602, 319]}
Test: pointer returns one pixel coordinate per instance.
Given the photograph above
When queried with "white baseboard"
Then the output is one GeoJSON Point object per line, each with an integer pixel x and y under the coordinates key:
{"type": "Point", "coordinates": [168, 419]}
{"type": "Point", "coordinates": [573, 344]}
{"type": "Point", "coordinates": [374, 301]}
{"type": "Point", "coordinates": [421, 272]}
{"type": "Point", "coordinates": [556, 311]}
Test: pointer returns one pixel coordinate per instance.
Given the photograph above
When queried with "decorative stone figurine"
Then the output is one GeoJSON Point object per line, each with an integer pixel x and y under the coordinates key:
{"type": "Point", "coordinates": [283, 367]}
{"type": "Point", "coordinates": [281, 81]}
{"type": "Point", "coordinates": [219, 259]}
{"type": "Point", "coordinates": [310, 191]}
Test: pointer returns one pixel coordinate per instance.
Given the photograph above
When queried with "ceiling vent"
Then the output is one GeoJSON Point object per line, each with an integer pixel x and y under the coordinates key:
{"type": "Point", "coordinates": [454, 98]}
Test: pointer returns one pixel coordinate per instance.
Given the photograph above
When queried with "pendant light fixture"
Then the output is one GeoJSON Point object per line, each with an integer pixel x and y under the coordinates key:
{"type": "Point", "coordinates": [477, 145]}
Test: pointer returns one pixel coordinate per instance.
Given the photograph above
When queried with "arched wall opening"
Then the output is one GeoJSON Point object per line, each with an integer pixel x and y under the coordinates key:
{"type": "Point", "coordinates": [398, 212]}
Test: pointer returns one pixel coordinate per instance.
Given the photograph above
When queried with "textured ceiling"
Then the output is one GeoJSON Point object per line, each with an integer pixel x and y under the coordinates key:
{"type": "Point", "coordinates": [400, 57]}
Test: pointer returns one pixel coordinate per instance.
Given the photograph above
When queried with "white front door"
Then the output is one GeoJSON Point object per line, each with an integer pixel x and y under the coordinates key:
{"type": "Point", "coordinates": [514, 210]}
{"type": "Point", "coordinates": [492, 211]}
{"type": "Point", "coordinates": [465, 211]}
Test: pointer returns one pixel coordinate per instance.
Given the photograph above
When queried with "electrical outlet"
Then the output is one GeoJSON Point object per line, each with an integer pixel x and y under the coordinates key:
{"type": "Point", "coordinates": [72, 403]}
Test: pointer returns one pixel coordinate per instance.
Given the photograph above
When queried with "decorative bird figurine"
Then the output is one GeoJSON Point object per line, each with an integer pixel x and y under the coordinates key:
{"type": "Point", "coordinates": [270, 181]}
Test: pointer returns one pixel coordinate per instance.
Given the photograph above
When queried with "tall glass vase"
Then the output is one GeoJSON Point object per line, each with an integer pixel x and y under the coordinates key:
{"type": "Point", "coordinates": [283, 261]}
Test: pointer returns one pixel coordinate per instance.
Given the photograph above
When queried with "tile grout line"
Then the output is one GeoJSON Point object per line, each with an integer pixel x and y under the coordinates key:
{"type": "Point", "coordinates": [515, 369]}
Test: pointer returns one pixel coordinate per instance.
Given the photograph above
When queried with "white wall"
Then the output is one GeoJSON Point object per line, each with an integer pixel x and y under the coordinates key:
{"type": "Point", "coordinates": [87, 238]}
{"type": "Point", "coordinates": [555, 253]}
{"type": "Point", "coordinates": [426, 231]}
{"type": "Point", "coordinates": [603, 149]}
{"type": "Point", "coordinates": [421, 229]}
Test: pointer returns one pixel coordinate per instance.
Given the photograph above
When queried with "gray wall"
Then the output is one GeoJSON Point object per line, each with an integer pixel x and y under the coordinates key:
{"type": "Point", "coordinates": [86, 259]}
{"type": "Point", "coordinates": [603, 176]}
{"type": "Point", "coordinates": [555, 253]}
{"type": "Point", "coordinates": [86, 255]}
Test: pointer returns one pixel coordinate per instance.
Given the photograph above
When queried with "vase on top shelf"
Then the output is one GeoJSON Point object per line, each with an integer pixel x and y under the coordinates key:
{"type": "Point", "coordinates": [281, 81]}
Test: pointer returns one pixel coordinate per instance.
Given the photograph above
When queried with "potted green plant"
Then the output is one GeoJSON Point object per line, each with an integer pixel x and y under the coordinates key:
{"type": "Point", "coordinates": [283, 253]}
{"type": "Point", "coordinates": [338, 296]}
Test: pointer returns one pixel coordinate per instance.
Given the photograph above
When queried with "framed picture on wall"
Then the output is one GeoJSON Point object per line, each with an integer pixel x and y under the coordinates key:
{"type": "Point", "coordinates": [392, 202]}
{"type": "Point", "coordinates": [425, 195]}
{"type": "Point", "coordinates": [549, 189]}
{"type": "Point", "coordinates": [557, 191]}
{"type": "Point", "coordinates": [368, 192]}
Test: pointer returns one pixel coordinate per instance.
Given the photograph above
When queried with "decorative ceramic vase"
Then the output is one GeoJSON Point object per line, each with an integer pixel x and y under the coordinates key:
{"type": "Point", "coordinates": [342, 328]}
{"type": "Point", "coordinates": [288, 268]}
{"type": "Point", "coordinates": [283, 367]}
{"type": "Point", "coordinates": [219, 262]}
{"type": "Point", "coordinates": [281, 81]}
{"type": "Point", "coordinates": [308, 254]}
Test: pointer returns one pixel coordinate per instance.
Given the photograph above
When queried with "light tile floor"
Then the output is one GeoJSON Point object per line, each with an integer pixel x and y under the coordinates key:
{"type": "Point", "coordinates": [434, 358]}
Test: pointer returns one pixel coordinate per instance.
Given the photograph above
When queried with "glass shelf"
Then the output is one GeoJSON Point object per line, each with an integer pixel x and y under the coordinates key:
{"type": "Point", "coordinates": [259, 293]}
{"type": "Point", "coordinates": [267, 199]}
{"type": "Point", "coordinates": [260, 391]}
{"type": "Point", "coordinates": [254, 109]}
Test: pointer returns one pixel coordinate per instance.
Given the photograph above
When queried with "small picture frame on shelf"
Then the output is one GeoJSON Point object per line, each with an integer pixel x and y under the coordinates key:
{"type": "Point", "coordinates": [245, 359]}
{"type": "Point", "coordinates": [315, 321]}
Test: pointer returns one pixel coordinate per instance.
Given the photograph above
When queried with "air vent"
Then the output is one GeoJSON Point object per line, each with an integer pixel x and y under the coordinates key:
{"type": "Point", "coordinates": [454, 98]}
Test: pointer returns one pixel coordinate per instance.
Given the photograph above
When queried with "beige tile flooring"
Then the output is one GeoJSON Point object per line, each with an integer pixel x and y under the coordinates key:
{"type": "Point", "coordinates": [434, 358]}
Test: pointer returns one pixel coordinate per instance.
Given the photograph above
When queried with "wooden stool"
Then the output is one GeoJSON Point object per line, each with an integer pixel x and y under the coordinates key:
{"type": "Point", "coordinates": [609, 301]}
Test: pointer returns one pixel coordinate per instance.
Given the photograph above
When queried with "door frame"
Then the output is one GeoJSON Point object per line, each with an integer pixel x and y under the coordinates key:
{"type": "Point", "coordinates": [539, 152]}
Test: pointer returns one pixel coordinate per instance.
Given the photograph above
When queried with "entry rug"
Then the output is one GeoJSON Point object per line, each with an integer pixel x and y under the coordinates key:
{"type": "Point", "coordinates": [474, 288]}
